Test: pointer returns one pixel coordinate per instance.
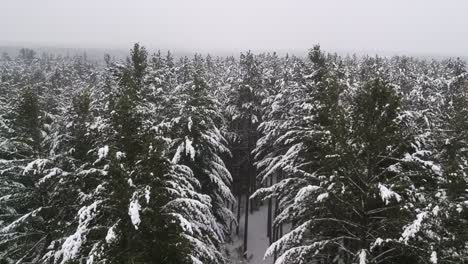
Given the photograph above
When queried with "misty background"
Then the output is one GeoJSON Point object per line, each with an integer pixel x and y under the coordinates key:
{"type": "Point", "coordinates": [416, 27]}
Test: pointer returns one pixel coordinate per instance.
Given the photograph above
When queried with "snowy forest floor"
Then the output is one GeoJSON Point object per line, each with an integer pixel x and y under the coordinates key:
{"type": "Point", "coordinates": [257, 240]}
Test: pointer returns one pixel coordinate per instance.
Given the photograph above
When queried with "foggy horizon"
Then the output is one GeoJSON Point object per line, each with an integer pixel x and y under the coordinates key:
{"type": "Point", "coordinates": [394, 27]}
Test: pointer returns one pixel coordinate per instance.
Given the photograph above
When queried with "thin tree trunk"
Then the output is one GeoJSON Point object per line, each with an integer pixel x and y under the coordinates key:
{"type": "Point", "coordinates": [270, 204]}
{"type": "Point", "coordinates": [246, 224]}
{"type": "Point", "coordinates": [275, 228]}
{"type": "Point", "coordinates": [239, 201]}
{"type": "Point", "coordinates": [273, 240]}
{"type": "Point", "coordinates": [250, 165]}
{"type": "Point", "coordinates": [252, 201]}
{"type": "Point", "coordinates": [230, 222]}
{"type": "Point", "coordinates": [254, 181]}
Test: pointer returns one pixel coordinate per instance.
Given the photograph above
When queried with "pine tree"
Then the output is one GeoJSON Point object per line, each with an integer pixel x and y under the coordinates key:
{"type": "Point", "coordinates": [18, 190]}
{"type": "Point", "coordinates": [450, 219]}
{"type": "Point", "coordinates": [300, 145]}
{"type": "Point", "coordinates": [35, 209]}
{"type": "Point", "coordinates": [28, 120]}
{"type": "Point", "coordinates": [199, 144]}
{"type": "Point", "coordinates": [111, 186]}
{"type": "Point", "coordinates": [340, 188]}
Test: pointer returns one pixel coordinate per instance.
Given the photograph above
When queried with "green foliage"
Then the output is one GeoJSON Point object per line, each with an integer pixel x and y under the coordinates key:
{"type": "Point", "coordinates": [82, 118]}
{"type": "Point", "coordinates": [365, 158]}
{"type": "Point", "coordinates": [28, 119]}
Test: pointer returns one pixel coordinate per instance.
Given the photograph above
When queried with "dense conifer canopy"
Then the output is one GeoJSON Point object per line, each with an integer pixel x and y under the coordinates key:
{"type": "Point", "coordinates": [151, 159]}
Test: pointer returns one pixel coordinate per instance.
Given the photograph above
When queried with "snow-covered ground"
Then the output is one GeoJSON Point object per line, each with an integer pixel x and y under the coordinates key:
{"type": "Point", "coordinates": [257, 240]}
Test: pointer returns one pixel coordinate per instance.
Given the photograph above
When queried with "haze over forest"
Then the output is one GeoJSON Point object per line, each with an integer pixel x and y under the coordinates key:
{"type": "Point", "coordinates": [419, 27]}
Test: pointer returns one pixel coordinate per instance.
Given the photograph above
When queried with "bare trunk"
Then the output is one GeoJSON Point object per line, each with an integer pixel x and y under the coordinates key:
{"type": "Point", "coordinates": [239, 201]}
{"type": "Point", "coordinates": [270, 205]}
{"type": "Point", "coordinates": [246, 224]}
{"type": "Point", "coordinates": [275, 228]}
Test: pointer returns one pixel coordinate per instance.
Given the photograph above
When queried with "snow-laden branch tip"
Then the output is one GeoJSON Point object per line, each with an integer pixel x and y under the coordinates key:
{"type": "Point", "coordinates": [134, 212]}
{"type": "Point", "coordinates": [413, 228]}
{"type": "Point", "coordinates": [387, 194]}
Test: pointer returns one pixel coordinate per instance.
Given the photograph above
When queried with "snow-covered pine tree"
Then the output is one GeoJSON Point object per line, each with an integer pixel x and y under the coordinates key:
{"type": "Point", "coordinates": [444, 221]}
{"type": "Point", "coordinates": [106, 228]}
{"type": "Point", "coordinates": [376, 177]}
{"type": "Point", "coordinates": [243, 114]}
{"type": "Point", "coordinates": [158, 95]}
{"type": "Point", "coordinates": [129, 192]}
{"type": "Point", "coordinates": [20, 197]}
{"type": "Point", "coordinates": [37, 211]}
{"type": "Point", "coordinates": [73, 140]}
{"type": "Point", "coordinates": [341, 190]}
{"type": "Point", "coordinates": [303, 110]}
{"type": "Point", "coordinates": [198, 142]}
{"type": "Point", "coordinates": [456, 123]}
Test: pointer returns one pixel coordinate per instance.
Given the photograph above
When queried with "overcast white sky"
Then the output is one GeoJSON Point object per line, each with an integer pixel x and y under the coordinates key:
{"type": "Point", "coordinates": [406, 26]}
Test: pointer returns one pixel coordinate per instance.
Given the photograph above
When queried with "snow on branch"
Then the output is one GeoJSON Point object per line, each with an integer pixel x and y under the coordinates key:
{"type": "Point", "coordinates": [387, 194]}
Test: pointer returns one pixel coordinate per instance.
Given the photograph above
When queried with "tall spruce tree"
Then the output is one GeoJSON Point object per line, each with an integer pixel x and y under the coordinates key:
{"type": "Point", "coordinates": [198, 144]}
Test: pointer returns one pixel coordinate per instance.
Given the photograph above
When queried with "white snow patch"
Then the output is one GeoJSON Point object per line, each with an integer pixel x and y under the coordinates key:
{"type": "Point", "coordinates": [434, 257]}
{"type": "Point", "coordinates": [36, 166]}
{"type": "Point", "coordinates": [415, 157]}
{"type": "Point", "coordinates": [363, 257]}
{"type": "Point", "coordinates": [189, 150]}
{"type": "Point", "coordinates": [111, 236]}
{"type": "Point", "coordinates": [377, 243]}
{"type": "Point", "coordinates": [176, 157]}
{"type": "Point", "coordinates": [99, 188]}
{"type": "Point", "coordinates": [387, 194]}
{"type": "Point", "coordinates": [394, 168]}
{"type": "Point", "coordinates": [130, 183]}
{"type": "Point", "coordinates": [411, 230]}
{"type": "Point", "coordinates": [134, 213]}
{"type": "Point", "coordinates": [53, 172]}
{"type": "Point", "coordinates": [195, 260]}
{"type": "Point", "coordinates": [147, 194]}
{"type": "Point", "coordinates": [184, 224]}
{"type": "Point", "coordinates": [322, 197]}
{"type": "Point", "coordinates": [102, 152]}
{"type": "Point", "coordinates": [119, 155]}
{"type": "Point", "coordinates": [92, 254]}
{"type": "Point", "coordinates": [435, 210]}
{"type": "Point", "coordinates": [303, 193]}
{"type": "Point", "coordinates": [190, 124]}
{"type": "Point", "coordinates": [90, 260]}
{"type": "Point", "coordinates": [72, 244]}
